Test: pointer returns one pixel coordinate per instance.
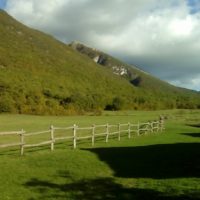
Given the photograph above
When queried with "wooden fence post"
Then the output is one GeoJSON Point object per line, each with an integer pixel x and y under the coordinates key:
{"type": "Point", "coordinates": [158, 126]}
{"type": "Point", "coordinates": [107, 132]}
{"type": "Point", "coordinates": [22, 142]}
{"type": "Point", "coordinates": [138, 128]}
{"type": "Point", "coordinates": [93, 134]}
{"type": "Point", "coordinates": [52, 137]}
{"type": "Point", "coordinates": [161, 124]}
{"type": "Point", "coordinates": [74, 136]}
{"type": "Point", "coordinates": [147, 128]}
{"type": "Point", "coordinates": [151, 126]}
{"type": "Point", "coordinates": [119, 132]}
{"type": "Point", "coordinates": [129, 130]}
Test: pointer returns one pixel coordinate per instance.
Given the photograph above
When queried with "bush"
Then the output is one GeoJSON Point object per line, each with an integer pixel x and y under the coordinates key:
{"type": "Point", "coordinates": [6, 104]}
{"type": "Point", "coordinates": [117, 104]}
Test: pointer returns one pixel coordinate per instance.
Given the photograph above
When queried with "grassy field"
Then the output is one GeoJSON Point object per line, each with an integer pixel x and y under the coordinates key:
{"type": "Point", "coordinates": [162, 166]}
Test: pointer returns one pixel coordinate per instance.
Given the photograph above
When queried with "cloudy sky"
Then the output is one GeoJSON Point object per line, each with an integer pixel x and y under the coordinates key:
{"type": "Point", "coordinates": [160, 36]}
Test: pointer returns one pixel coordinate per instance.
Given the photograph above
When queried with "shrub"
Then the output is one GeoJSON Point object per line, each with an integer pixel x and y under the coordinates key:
{"type": "Point", "coordinates": [6, 104]}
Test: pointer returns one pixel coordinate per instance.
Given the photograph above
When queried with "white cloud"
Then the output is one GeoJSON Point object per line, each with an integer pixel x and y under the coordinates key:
{"type": "Point", "coordinates": [193, 83]}
{"type": "Point", "coordinates": [181, 27]}
{"type": "Point", "coordinates": [161, 36]}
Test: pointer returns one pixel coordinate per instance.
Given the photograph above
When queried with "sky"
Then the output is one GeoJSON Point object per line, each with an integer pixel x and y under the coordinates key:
{"type": "Point", "coordinates": [161, 37]}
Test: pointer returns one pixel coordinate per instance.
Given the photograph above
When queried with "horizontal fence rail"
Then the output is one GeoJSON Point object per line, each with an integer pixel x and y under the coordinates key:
{"type": "Point", "coordinates": [75, 133]}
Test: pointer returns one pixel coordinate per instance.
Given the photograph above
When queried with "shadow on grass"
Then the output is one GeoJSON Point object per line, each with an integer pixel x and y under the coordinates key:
{"type": "Point", "coordinates": [192, 134]}
{"type": "Point", "coordinates": [97, 189]}
{"type": "Point", "coordinates": [155, 161]}
{"type": "Point", "coordinates": [194, 125]}
{"type": "Point", "coordinates": [160, 161]}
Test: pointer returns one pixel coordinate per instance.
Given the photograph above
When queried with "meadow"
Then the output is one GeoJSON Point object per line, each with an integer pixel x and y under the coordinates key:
{"type": "Point", "coordinates": [159, 165]}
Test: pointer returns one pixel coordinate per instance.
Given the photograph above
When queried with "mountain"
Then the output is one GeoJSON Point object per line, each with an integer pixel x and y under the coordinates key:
{"type": "Point", "coordinates": [41, 75]}
{"type": "Point", "coordinates": [148, 85]}
{"type": "Point", "coordinates": [132, 74]}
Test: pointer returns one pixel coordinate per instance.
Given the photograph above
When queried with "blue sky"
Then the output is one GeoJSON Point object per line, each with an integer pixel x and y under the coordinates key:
{"type": "Point", "coordinates": [194, 6]}
{"type": "Point", "coordinates": [2, 4]}
{"type": "Point", "coordinates": [160, 36]}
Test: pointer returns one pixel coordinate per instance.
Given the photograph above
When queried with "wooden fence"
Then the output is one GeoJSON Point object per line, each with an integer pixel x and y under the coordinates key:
{"type": "Point", "coordinates": [76, 133]}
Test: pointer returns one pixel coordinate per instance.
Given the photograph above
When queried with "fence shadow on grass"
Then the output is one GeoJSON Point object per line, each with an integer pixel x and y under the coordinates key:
{"type": "Point", "coordinates": [160, 161]}
{"type": "Point", "coordinates": [97, 189]}
{"type": "Point", "coordinates": [192, 134]}
{"type": "Point", "coordinates": [194, 125]}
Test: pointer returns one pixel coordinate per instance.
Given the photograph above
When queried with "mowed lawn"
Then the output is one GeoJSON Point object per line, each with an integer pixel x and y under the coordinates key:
{"type": "Point", "coordinates": [159, 165]}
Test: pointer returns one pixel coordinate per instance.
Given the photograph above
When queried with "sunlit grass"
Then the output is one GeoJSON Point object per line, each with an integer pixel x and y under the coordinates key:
{"type": "Point", "coordinates": [154, 166]}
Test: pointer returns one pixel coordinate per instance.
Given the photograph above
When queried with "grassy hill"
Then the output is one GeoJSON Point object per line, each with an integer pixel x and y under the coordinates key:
{"type": "Point", "coordinates": [41, 75]}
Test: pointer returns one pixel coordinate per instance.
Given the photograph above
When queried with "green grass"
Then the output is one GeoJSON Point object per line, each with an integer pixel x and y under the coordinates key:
{"type": "Point", "coordinates": [155, 166]}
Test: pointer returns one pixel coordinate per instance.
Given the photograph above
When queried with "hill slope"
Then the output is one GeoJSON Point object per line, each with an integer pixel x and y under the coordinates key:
{"type": "Point", "coordinates": [148, 85]}
{"type": "Point", "coordinates": [41, 75]}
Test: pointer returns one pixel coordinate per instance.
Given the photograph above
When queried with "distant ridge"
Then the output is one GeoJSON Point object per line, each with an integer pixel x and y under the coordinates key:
{"type": "Point", "coordinates": [130, 72]}
{"type": "Point", "coordinates": [147, 83]}
{"type": "Point", "coordinates": [41, 75]}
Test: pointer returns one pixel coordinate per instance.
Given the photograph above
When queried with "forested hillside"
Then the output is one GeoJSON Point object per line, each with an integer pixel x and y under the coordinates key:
{"type": "Point", "coordinates": [41, 75]}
